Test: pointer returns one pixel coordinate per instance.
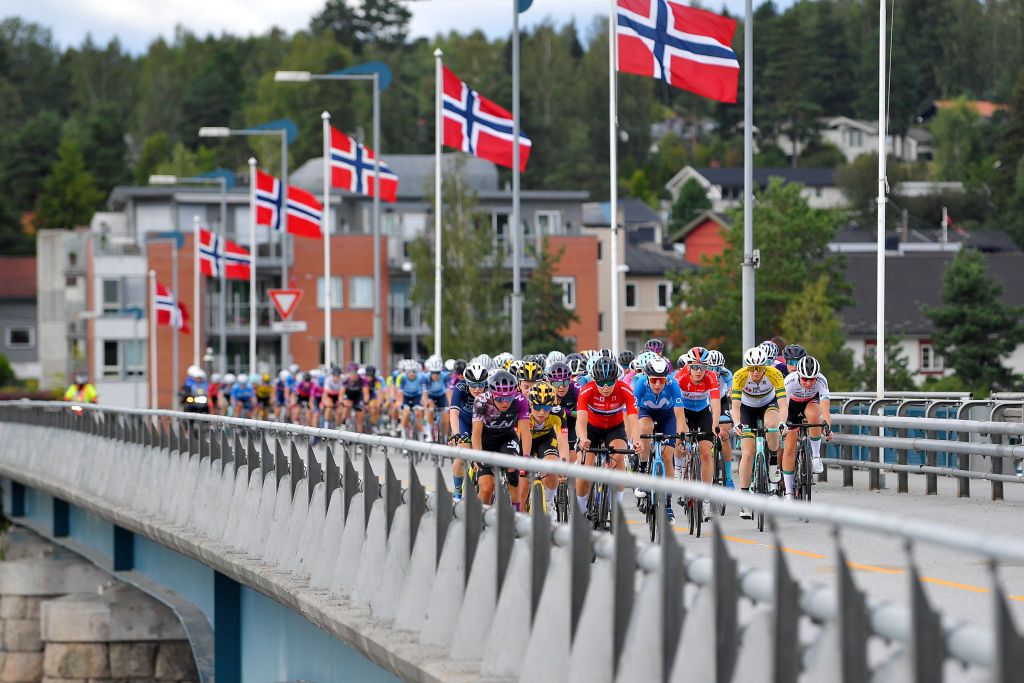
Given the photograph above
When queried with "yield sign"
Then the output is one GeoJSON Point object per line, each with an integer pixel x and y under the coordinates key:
{"type": "Point", "coordinates": [285, 300]}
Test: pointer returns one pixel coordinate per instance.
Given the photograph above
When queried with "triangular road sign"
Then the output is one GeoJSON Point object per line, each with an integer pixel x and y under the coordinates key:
{"type": "Point", "coordinates": [285, 300]}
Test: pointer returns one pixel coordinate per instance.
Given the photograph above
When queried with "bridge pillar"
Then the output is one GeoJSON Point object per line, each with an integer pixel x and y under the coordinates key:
{"type": "Point", "coordinates": [227, 629]}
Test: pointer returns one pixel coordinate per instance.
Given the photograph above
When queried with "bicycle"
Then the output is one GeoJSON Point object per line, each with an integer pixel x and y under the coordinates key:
{"type": "Point", "coordinates": [759, 482]}
{"type": "Point", "coordinates": [599, 506]}
{"type": "Point", "coordinates": [803, 478]}
{"type": "Point", "coordinates": [719, 465]}
{"type": "Point", "coordinates": [657, 470]}
{"type": "Point", "coordinates": [691, 472]}
{"type": "Point", "coordinates": [562, 501]}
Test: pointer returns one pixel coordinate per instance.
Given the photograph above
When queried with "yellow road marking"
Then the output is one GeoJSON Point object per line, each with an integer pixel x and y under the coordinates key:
{"type": "Point", "coordinates": [873, 568]}
{"type": "Point", "coordinates": [954, 584]}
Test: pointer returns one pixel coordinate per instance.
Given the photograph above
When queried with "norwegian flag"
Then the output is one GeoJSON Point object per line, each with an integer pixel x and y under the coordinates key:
{"type": "Point", "coordinates": [305, 213]}
{"type": "Point", "coordinates": [686, 47]}
{"type": "Point", "coordinates": [474, 124]}
{"type": "Point", "coordinates": [169, 311]}
{"type": "Point", "coordinates": [268, 200]}
{"type": "Point", "coordinates": [217, 253]}
{"type": "Point", "coordinates": [352, 165]}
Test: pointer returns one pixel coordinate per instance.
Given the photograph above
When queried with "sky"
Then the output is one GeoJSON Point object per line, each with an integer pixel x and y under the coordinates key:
{"type": "Point", "coordinates": [137, 22]}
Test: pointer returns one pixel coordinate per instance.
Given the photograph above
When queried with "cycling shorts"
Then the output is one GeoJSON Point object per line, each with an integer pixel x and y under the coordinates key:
{"type": "Point", "coordinates": [603, 437]}
{"type": "Point", "coordinates": [726, 412]}
{"type": "Point", "coordinates": [700, 420]}
{"type": "Point", "coordinates": [506, 443]}
{"type": "Point", "coordinates": [544, 446]}
{"type": "Point", "coordinates": [440, 401]}
{"type": "Point", "coordinates": [664, 423]}
{"type": "Point", "coordinates": [355, 397]}
{"type": "Point", "coordinates": [795, 411]}
{"type": "Point", "coordinates": [411, 401]}
{"type": "Point", "coordinates": [751, 415]}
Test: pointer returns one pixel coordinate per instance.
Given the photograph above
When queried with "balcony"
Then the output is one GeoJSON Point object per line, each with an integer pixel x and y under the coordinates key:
{"type": "Point", "coordinates": [405, 318]}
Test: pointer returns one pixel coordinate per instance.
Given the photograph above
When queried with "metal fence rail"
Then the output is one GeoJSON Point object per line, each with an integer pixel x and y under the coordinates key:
{"type": "Point", "coordinates": [466, 594]}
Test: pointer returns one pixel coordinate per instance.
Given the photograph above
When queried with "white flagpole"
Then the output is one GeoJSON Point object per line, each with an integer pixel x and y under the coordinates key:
{"type": "Point", "coordinates": [880, 285]}
{"type": "Point", "coordinates": [325, 228]}
{"type": "Point", "coordinates": [613, 170]}
{"type": "Point", "coordinates": [438, 131]}
{"type": "Point", "coordinates": [197, 325]}
{"type": "Point", "coordinates": [152, 340]}
{"type": "Point", "coordinates": [252, 266]}
{"type": "Point", "coordinates": [748, 275]}
{"type": "Point", "coordinates": [517, 228]}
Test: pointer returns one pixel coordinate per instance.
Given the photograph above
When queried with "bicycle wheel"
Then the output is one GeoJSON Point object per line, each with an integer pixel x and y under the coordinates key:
{"type": "Point", "coordinates": [698, 507]}
{"type": "Point", "coordinates": [562, 502]}
{"type": "Point", "coordinates": [803, 464]}
{"type": "Point", "coordinates": [719, 471]}
{"type": "Point", "coordinates": [605, 513]}
{"type": "Point", "coordinates": [761, 483]}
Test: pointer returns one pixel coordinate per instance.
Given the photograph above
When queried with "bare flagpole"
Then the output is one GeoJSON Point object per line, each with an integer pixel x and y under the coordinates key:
{"type": "Point", "coordinates": [613, 171]}
{"type": "Point", "coordinates": [880, 284]}
{"type": "Point", "coordinates": [748, 177]}
{"type": "Point", "coordinates": [195, 292]}
{"type": "Point", "coordinates": [152, 341]}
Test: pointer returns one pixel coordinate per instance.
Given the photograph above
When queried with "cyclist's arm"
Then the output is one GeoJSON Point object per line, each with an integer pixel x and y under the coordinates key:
{"type": "Point", "coordinates": [477, 436]}
{"type": "Point", "coordinates": [633, 429]}
{"type": "Point", "coordinates": [716, 414]}
{"type": "Point", "coordinates": [453, 419]}
{"type": "Point", "coordinates": [680, 419]}
{"type": "Point", "coordinates": [563, 444]}
{"type": "Point", "coordinates": [825, 405]}
{"type": "Point", "coordinates": [736, 414]}
{"type": "Point", "coordinates": [581, 428]}
{"type": "Point", "coordinates": [526, 435]}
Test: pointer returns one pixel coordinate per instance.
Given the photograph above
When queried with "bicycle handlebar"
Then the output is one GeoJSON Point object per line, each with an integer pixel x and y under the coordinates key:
{"type": "Point", "coordinates": [605, 450]}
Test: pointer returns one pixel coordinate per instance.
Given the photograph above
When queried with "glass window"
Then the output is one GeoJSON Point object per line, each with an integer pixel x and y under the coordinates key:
{"type": "Point", "coordinates": [568, 284]}
{"type": "Point", "coordinates": [336, 300]}
{"type": "Point", "coordinates": [337, 351]}
{"type": "Point", "coordinates": [135, 292]}
{"type": "Point", "coordinates": [632, 295]}
{"type": "Point", "coordinates": [360, 291]}
{"type": "Point", "coordinates": [360, 351]}
{"type": "Point", "coordinates": [929, 360]}
{"type": "Point", "coordinates": [111, 296]}
{"type": "Point", "coordinates": [549, 223]}
{"type": "Point", "coordinates": [664, 294]}
{"type": "Point", "coordinates": [111, 359]}
{"type": "Point", "coordinates": [21, 337]}
{"type": "Point", "coordinates": [134, 357]}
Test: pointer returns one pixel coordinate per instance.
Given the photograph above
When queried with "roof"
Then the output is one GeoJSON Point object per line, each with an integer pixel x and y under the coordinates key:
{"type": "Point", "coordinates": [700, 220]}
{"type": "Point", "coordinates": [19, 281]}
{"type": "Point", "coordinates": [653, 260]}
{"type": "Point", "coordinates": [415, 173]}
{"type": "Point", "coordinates": [732, 176]}
{"type": "Point", "coordinates": [983, 239]}
{"type": "Point", "coordinates": [636, 212]}
{"type": "Point", "coordinates": [914, 281]}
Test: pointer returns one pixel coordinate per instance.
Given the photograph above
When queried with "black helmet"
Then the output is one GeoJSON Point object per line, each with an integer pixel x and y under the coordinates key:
{"type": "Point", "coordinates": [458, 368]}
{"type": "Point", "coordinates": [605, 369]}
{"type": "Point", "coordinates": [793, 353]}
{"type": "Point", "coordinates": [625, 358]}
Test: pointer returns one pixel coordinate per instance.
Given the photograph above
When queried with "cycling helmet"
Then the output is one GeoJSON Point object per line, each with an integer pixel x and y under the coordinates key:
{"type": "Point", "coordinates": [302, 377]}
{"type": "Point", "coordinates": [793, 353]}
{"type": "Point", "coordinates": [371, 370]}
{"type": "Point", "coordinates": [558, 372]}
{"type": "Point", "coordinates": [716, 359]}
{"type": "Point", "coordinates": [433, 365]}
{"type": "Point", "coordinates": [604, 369]}
{"type": "Point", "coordinates": [542, 394]}
{"type": "Point", "coordinates": [636, 365]}
{"type": "Point", "coordinates": [590, 365]}
{"type": "Point", "coordinates": [575, 365]}
{"type": "Point", "coordinates": [230, 378]}
{"type": "Point", "coordinates": [476, 373]}
{"type": "Point", "coordinates": [625, 358]}
{"type": "Point", "coordinates": [193, 371]}
{"type": "Point", "coordinates": [503, 358]}
{"type": "Point", "coordinates": [588, 354]}
{"type": "Point", "coordinates": [657, 367]}
{"type": "Point", "coordinates": [698, 354]}
{"type": "Point", "coordinates": [361, 372]}
{"type": "Point", "coordinates": [571, 356]}
{"type": "Point", "coordinates": [655, 346]}
{"type": "Point", "coordinates": [352, 367]}
{"type": "Point", "coordinates": [515, 368]}
{"type": "Point", "coordinates": [458, 366]}
{"type": "Point", "coordinates": [243, 378]}
{"type": "Point", "coordinates": [294, 368]}
{"type": "Point", "coordinates": [531, 372]}
{"type": "Point", "coordinates": [265, 378]}
{"type": "Point", "coordinates": [606, 353]}
{"type": "Point", "coordinates": [684, 359]}
{"type": "Point", "coordinates": [554, 357]}
{"type": "Point", "coordinates": [487, 361]}
{"type": "Point", "coordinates": [770, 348]}
{"type": "Point", "coordinates": [216, 378]}
{"type": "Point", "coordinates": [755, 356]}
{"type": "Point", "coordinates": [335, 370]}
{"type": "Point", "coordinates": [808, 368]}
{"type": "Point", "coordinates": [449, 364]}
{"type": "Point", "coordinates": [502, 384]}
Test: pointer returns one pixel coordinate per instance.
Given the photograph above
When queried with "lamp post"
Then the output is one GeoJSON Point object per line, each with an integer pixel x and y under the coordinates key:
{"type": "Point", "coordinates": [380, 75]}
{"type": "Point", "coordinates": [287, 133]}
{"type": "Point", "coordinates": [223, 182]}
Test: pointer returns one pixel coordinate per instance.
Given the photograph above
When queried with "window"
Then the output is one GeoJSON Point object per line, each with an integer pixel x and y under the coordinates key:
{"type": "Point", "coordinates": [600, 250]}
{"type": "Point", "coordinates": [600, 322]}
{"type": "Point", "coordinates": [632, 295]}
{"type": "Point", "coordinates": [111, 359]}
{"type": "Point", "coordinates": [502, 238]}
{"type": "Point", "coordinates": [71, 282]}
{"type": "Point", "coordinates": [549, 223]}
{"type": "Point", "coordinates": [337, 351]}
{"type": "Point", "coordinates": [112, 301]}
{"type": "Point", "coordinates": [929, 361]}
{"type": "Point", "coordinates": [336, 301]}
{"type": "Point", "coordinates": [360, 291]}
{"type": "Point", "coordinates": [124, 358]}
{"type": "Point", "coordinates": [664, 294]}
{"type": "Point", "coordinates": [361, 351]}
{"type": "Point", "coordinates": [568, 285]}
{"type": "Point", "coordinates": [870, 347]}
{"type": "Point", "coordinates": [20, 337]}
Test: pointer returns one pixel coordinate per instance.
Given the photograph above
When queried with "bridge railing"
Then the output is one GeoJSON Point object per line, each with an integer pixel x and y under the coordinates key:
{"type": "Point", "coordinates": [433, 592]}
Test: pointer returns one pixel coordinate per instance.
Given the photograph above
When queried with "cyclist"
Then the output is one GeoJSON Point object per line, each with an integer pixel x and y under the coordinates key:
{"type": "Point", "coordinates": [330, 402]}
{"type": "Point", "coordinates": [356, 394]}
{"type": "Point", "coordinates": [559, 377]}
{"type": "Point", "coordinates": [230, 380]}
{"type": "Point", "coordinates": [702, 406]}
{"type": "Point", "coordinates": [412, 387]}
{"type": "Point", "coordinates": [626, 359]}
{"type": "Point", "coordinates": [460, 417]}
{"type": "Point", "coordinates": [807, 391]}
{"type": "Point", "coordinates": [792, 355]}
{"type": "Point", "coordinates": [501, 424]}
{"type": "Point", "coordinates": [374, 392]}
{"type": "Point", "coordinates": [548, 436]}
{"type": "Point", "coordinates": [758, 394]}
{"type": "Point", "coordinates": [771, 347]}
{"type": "Point", "coordinates": [529, 374]}
{"type": "Point", "coordinates": [660, 408]}
{"type": "Point", "coordinates": [317, 379]}
{"type": "Point", "coordinates": [576, 364]}
{"type": "Point", "coordinates": [81, 391]}
{"type": "Point", "coordinates": [606, 415]}
{"type": "Point", "coordinates": [243, 397]}
{"type": "Point", "coordinates": [437, 397]}
{"type": "Point", "coordinates": [716, 362]}
{"type": "Point", "coordinates": [655, 346]}
{"type": "Point", "coordinates": [301, 397]}
{"type": "Point", "coordinates": [215, 390]}
{"type": "Point", "coordinates": [264, 397]}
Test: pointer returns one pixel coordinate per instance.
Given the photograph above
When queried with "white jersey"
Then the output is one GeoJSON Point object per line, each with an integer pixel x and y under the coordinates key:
{"type": "Point", "coordinates": [797, 391]}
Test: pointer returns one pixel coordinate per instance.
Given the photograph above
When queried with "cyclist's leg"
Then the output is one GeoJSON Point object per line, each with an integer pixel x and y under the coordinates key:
{"type": "Point", "coordinates": [485, 483]}
{"type": "Point", "coordinates": [772, 418]}
{"type": "Point", "coordinates": [748, 418]}
{"type": "Point", "coordinates": [646, 427]}
{"type": "Point", "coordinates": [701, 420]}
{"type": "Point", "coordinates": [582, 485]}
{"type": "Point", "coordinates": [795, 414]}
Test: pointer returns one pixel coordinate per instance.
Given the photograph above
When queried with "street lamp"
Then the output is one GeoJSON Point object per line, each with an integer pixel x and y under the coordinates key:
{"type": "Point", "coordinates": [222, 180]}
{"type": "Point", "coordinates": [380, 75]}
{"type": "Point", "coordinates": [286, 130]}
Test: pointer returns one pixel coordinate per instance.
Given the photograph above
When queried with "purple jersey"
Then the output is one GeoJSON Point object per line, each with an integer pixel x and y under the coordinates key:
{"type": "Point", "coordinates": [495, 420]}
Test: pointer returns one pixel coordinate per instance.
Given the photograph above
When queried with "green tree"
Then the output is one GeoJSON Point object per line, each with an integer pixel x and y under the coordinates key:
{"type": "Point", "coordinates": [811, 321]}
{"type": "Point", "coordinates": [27, 159]}
{"type": "Point", "coordinates": [974, 328]}
{"type": "Point", "coordinates": [69, 195]}
{"type": "Point", "coordinates": [473, 296]}
{"type": "Point", "coordinates": [691, 200]}
{"type": "Point", "coordinates": [958, 141]}
{"type": "Point", "coordinates": [793, 239]}
{"type": "Point", "coordinates": [640, 187]}
{"type": "Point", "coordinates": [548, 315]}
{"type": "Point", "coordinates": [381, 22]}
{"type": "Point", "coordinates": [105, 152]}
{"type": "Point", "coordinates": [7, 376]}
{"type": "Point", "coordinates": [155, 150]}
{"type": "Point", "coordinates": [184, 162]}
{"type": "Point", "coordinates": [13, 240]}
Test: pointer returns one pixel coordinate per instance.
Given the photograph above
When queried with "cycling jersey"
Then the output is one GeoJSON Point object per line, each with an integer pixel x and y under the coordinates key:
{"type": "Point", "coordinates": [758, 394]}
{"type": "Point", "coordinates": [304, 389]}
{"type": "Point", "coordinates": [796, 391]}
{"type": "Point", "coordinates": [85, 393]}
{"type": "Point", "coordinates": [375, 386]}
{"type": "Point", "coordinates": [411, 386]}
{"type": "Point", "coordinates": [550, 426]}
{"type": "Point", "coordinates": [698, 395]}
{"type": "Point", "coordinates": [724, 380]}
{"type": "Point", "coordinates": [333, 386]}
{"type": "Point", "coordinates": [264, 392]}
{"type": "Point", "coordinates": [243, 393]}
{"type": "Point", "coordinates": [650, 401]}
{"type": "Point", "coordinates": [606, 411]}
{"type": "Point", "coordinates": [495, 420]}
{"type": "Point", "coordinates": [436, 387]}
{"type": "Point", "coordinates": [462, 401]}
{"type": "Point", "coordinates": [279, 390]}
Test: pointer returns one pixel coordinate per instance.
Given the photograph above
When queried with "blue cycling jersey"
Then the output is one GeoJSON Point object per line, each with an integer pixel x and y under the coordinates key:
{"type": "Point", "coordinates": [649, 401]}
{"type": "Point", "coordinates": [462, 401]}
{"type": "Point", "coordinates": [437, 387]}
{"type": "Point", "coordinates": [724, 381]}
{"type": "Point", "coordinates": [411, 386]}
{"type": "Point", "coordinates": [243, 393]}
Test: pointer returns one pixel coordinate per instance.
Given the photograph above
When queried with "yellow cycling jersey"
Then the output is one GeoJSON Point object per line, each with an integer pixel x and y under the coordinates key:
{"type": "Point", "coordinates": [551, 425]}
{"type": "Point", "coordinates": [756, 394]}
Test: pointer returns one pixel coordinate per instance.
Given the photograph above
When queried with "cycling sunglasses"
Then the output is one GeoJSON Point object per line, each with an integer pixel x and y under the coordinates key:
{"type": "Point", "coordinates": [657, 380]}
{"type": "Point", "coordinates": [697, 366]}
{"type": "Point", "coordinates": [477, 385]}
{"type": "Point", "coordinates": [546, 409]}
{"type": "Point", "coordinates": [605, 383]}
{"type": "Point", "coordinates": [563, 383]}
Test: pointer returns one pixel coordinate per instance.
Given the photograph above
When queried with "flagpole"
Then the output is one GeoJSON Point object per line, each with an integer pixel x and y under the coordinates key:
{"type": "Point", "coordinates": [195, 292]}
{"type": "Point", "coordinates": [325, 227]}
{"type": "Point", "coordinates": [517, 236]}
{"type": "Point", "coordinates": [748, 282]}
{"type": "Point", "coordinates": [438, 131]}
{"type": "Point", "coordinates": [880, 247]}
{"type": "Point", "coordinates": [223, 280]}
{"type": "Point", "coordinates": [176, 333]}
{"type": "Point", "coordinates": [152, 341]}
{"type": "Point", "coordinates": [252, 266]}
{"type": "Point", "coordinates": [285, 344]}
{"type": "Point", "coordinates": [378, 325]}
{"type": "Point", "coordinates": [613, 171]}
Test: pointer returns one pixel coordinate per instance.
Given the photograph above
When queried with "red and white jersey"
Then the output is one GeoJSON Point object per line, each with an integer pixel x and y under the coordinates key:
{"type": "Point", "coordinates": [606, 411]}
{"type": "Point", "coordinates": [801, 393]}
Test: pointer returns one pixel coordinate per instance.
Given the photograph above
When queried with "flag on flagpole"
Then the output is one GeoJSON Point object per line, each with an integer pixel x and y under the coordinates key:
{"type": "Point", "coordinates": [305, 213]}
{"type": "Point", "coordinates": [352, 168]}
{"type": "Point", "coordinates": [268, 200]}
{"type": "Point", "coordinates": [686, 47]}
{"type": "Point", "coordinates": [169, 311]}
{"type": "Point", "coordinates": [474, 124]}
{"type": "Point", "coordinates": [217, 253]}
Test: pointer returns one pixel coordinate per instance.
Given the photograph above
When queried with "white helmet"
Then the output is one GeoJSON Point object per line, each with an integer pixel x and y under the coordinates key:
{"type": "Point", "coordinates": [756, 355]}
{"type": "Point", "coordinates": [230, 378]}
{"type": "Point", "coordinates": [476, 373]}
{"type": "Point", "coordinates": [554, 357]}
{"type": "Point", "coordinates": [771, 349]}
{"type": "Point", "coordinates": [216, 378]}
{"type": "Point", "coordinates": [243, 378]}
{"type": "Point", "coordinates": [433, 364]}
{"type": "Point", "coordinates": [503, 358]}
{"type": "Point", "coordinates": [449, 364]}
{"type": "Point", "coordinates": [808, 367]}
{"type": "Point", "coordinates": [294, 369]}
{"type": "Point", "coordinates": [194, 371]}
{"type": "Point", "coordinates": [284, 375]}
{"type": "Point", "coordinates": [716, 359]}
{"type": "Point", "coordinates": [200, 375]}
{"type": "Point", "coordinates": [315, 372]}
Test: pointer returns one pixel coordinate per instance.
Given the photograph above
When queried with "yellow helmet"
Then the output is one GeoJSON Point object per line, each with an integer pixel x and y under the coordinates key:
{"type": "Point", "coordinates": [543, 394]}
{"type": "Point", "coordinates": [531, 372]}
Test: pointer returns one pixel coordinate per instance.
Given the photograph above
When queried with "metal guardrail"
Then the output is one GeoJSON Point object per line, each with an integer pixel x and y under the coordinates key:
{"type": "Point", "coordinates": [491, 593]}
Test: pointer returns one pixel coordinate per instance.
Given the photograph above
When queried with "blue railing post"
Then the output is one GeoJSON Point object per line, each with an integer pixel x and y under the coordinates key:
{"type": "Point", "coordinates": [17, 499]}
{"type": "Point", "coordinates": [124, 550]}
{"type": "Point", "coordinates": [227, 629]}
{"type": "Point", "coordinates": [61, 518]}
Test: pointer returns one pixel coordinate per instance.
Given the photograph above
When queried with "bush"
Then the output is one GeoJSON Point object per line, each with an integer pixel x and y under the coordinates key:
{"type": "Point", "coordinates": [6, 373]}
